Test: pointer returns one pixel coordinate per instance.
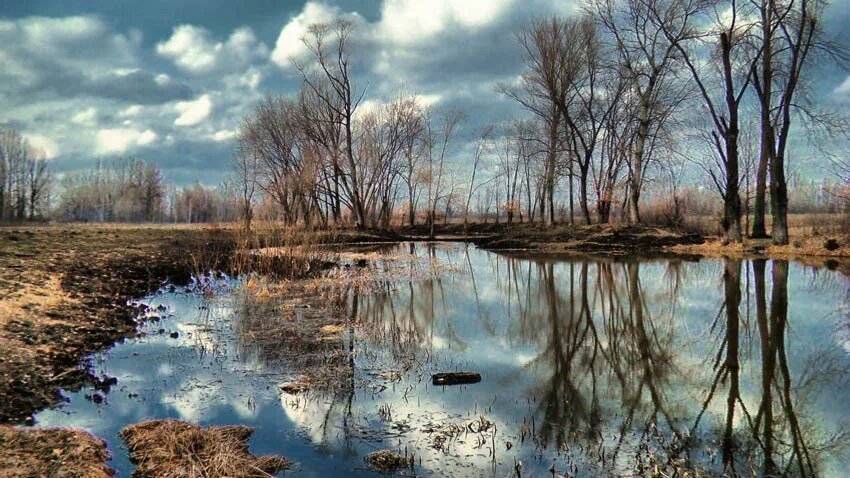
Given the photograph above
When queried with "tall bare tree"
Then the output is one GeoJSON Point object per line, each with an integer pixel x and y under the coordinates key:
{"type": "Point", "coordinates": [721, 88]}
{"type": "Point", "coordinates": [330, 46]}
{"type": "Point", "coordinates": [650, 63]}
{"type": "Point", "coordinates": [787, 40]}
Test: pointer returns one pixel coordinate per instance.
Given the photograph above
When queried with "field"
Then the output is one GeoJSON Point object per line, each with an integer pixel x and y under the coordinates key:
{"type": "Point", "coordinates": [65, 289]}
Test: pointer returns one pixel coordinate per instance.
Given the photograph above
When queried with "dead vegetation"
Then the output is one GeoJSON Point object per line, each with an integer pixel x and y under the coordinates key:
{"type": "Point", "coordinates": [63, 453]}
{"type": "Point", "coordinates": [445, 432]}
{"type": "Point", "coordinates": [173, 448]}
{"type": "Point", "coordinates": [388, 461]}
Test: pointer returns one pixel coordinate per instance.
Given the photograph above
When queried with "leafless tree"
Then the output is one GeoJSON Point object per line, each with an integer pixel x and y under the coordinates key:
{"type": "Point", "coordinates": [330, 45]}
{"type": "Point", "coordinates": [590, 99]}
{"type": "Point", "coordinates": [482, 147]}
{"type": "Point", "coordinates": [721, 89]}
{"type": "Point", "coordinates": [411, 117]}
{"type": "Point", "coordinates": [649, 62]}
{"type": "Point", "coordinates": [24, 178]}
{"type": "Point", "coordinates": [440, 130]}
{"type": "Point", "coordinates": [786, 43]}
{"type": "Point", "coordinates": [247, 166]}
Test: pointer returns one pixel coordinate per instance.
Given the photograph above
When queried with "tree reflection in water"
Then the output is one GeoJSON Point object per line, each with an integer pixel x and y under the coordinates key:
{"type": "Point", "coordinates": [617, 377]}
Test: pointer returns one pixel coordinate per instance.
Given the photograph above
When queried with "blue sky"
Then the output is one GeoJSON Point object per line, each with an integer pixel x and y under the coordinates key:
{"type": "Point", "coordinates": [170, 81]}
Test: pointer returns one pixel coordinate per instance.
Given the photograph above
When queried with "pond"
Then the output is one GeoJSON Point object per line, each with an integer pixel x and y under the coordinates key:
{"type": "Point", "coordinates": [589, 366]}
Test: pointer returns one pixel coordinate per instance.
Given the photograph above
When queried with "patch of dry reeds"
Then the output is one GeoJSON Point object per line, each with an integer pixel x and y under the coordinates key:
{"type": "Point", "coordinates": [61, 453]}
{"type": "Point", "coordinates": [173, 448]}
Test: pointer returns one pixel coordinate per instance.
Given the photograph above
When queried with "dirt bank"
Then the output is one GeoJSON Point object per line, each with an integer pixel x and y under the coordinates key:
{"type": "Point", "coordinates": [63, 296]}
{"type": "Point", "coordinates": [608, 238]}
{"type": "Point", "coordinates": [64, 293]}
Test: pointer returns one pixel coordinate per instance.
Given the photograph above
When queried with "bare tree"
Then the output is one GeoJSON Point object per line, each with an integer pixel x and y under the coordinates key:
{"type": "Point", "coordinates": [543, 88]}
{"type": "Point", "coordinates": [649, 61]}
{"type": "Point", "coordinates": [787, 41]}
{"type": "Point", "coordinates": [591, 97]}
{"type": "Point", "coordinates": [510, 154]}
{"type": "Point", "coordinates": [439, 134]}
{"type": "Point", "coordinates": [330, 45]}
{"type": "Point", "coordinates": [481, 149]}
{"type": "Point", "coordinates": [247, 166]}
{"type": "Point", "coordinates": [411, 117]}
{"type": "Point", "coordinates": [722, 106]}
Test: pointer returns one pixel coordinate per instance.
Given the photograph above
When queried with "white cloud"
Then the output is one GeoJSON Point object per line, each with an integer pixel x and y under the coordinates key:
{"type": "Point", "coordinates": [52, 31]}
{"type": "Point", "coordinates": [193, 50]}
{"type": "Point", "coordinates": [86, 117]}
{"type": "Point", "coordinates": [119, 140]}
{"type": "Point", "coordinates": [224, 135]}
{"type": "Point", "coordinates": [411, 21]}
{"type": "Point", "coordinates": [190, 49]}
{"type": "Point", "coordinates": [193, 112]}
{"type": "Point", "coordinates": [129, 111]}
{"type": "Point", "coordinates": [289, 44]}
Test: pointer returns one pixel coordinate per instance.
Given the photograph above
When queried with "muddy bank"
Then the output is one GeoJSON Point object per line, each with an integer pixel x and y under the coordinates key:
{"type": "Point", "coordinates": [64, 293]}
{"type": "Point", "coordinates": [821, 250]}
{"type": "Point", "coordinates": [597, 238]}
{"type": "Point", "coordinates": [63, 296]}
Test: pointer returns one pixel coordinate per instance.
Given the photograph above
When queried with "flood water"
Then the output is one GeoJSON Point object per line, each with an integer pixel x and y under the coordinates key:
{"type": "Point", "coordinates": [590, 367]}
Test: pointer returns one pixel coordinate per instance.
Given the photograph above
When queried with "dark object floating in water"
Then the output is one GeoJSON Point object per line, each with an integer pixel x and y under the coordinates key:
{"type": "Point", "coordinates": [174, 335]}
{"type": "Point", "coordinates": [455, 378]}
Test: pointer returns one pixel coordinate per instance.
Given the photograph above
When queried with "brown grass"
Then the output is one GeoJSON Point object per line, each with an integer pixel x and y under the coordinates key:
{"type": "Point", "coordinates": [173, 448]}
{"type": "Point", "coordinates": [62, 453]}
{"type": "Point", "coordinates": [388, 461]}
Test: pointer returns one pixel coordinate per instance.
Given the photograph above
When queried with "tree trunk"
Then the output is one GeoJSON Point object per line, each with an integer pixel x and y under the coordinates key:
{"type": "Point", "coordinates": [582, 185]}
{"type": "Point", "coordinates": [636, 171]}
{"type": "Point", "coordinates": [779, 201]}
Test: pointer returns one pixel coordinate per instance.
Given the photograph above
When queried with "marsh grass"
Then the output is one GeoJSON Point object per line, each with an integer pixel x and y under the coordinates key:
{"type": "Point", "coordinates": [60, 453]}
{"type": "Point", "coordinates": [388, 461]}
{"type": "Point", "coordinates": [173, 448]}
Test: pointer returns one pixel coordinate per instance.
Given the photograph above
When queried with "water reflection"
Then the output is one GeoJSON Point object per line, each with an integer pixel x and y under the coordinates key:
{"type": "Point", "coordinates": [624, 377]}
{"type": "Point", "coordinates": [590, 367]}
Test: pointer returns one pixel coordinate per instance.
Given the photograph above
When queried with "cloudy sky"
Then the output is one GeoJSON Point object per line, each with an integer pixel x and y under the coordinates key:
{"type": "Point", "coordinates": [169, 81]}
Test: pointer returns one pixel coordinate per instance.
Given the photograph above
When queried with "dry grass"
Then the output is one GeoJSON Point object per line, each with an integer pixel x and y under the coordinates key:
{"type": "Point", "coordinates": [62, 453]}
{"type": "Point", "coordinates": [173, 448]}
{"type": "Point", "coordinates": [388, 461]}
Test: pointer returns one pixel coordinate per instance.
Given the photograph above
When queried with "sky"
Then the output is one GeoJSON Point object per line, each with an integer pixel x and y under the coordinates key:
{"type": "Point", "coordinates": [170, 81]}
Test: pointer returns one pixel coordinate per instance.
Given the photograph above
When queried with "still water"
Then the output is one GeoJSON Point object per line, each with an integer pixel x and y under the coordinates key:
{"type": "Point", "coordinates": [590, 367]}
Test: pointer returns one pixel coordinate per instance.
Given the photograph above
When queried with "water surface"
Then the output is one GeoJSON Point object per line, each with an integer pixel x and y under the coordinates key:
{"type": "Point", "coordinates": [589, 366]}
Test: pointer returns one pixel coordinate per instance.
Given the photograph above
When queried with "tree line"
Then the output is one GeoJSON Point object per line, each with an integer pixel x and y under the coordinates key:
{"type": "Point", "coordinates": [621, 95]}
{"type": "Point", "coordinates": [133, 190]}
{"type": "Point", "coordinates": [617, 88]}
{"type": "Point", "coordinates": [24, 178]}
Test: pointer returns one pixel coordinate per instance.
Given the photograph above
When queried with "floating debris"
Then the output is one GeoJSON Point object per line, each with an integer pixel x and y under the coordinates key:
{"type": "Point", "coordinates": [455, 378]}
